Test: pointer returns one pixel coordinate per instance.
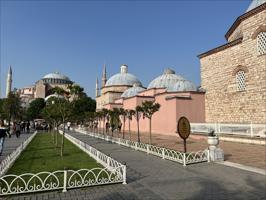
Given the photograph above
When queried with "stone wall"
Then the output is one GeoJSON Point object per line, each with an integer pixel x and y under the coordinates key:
{"type": "Point", "coordinates": [223, 102]}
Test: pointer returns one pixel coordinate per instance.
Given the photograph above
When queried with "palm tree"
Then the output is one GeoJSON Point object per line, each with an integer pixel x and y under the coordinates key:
{"type": "Point", "coordinates": [137, 115]}
{"type": "Point", "coordinates": [123, 113]}
{"type": "Point", "coordinates": [148, 109]}
{"type": "Point", "coordinates": [104, 116]}
{"type": "Point", "coordinates": [130, 113]}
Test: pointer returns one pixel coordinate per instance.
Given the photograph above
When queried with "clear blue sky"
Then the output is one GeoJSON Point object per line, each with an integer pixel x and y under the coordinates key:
{"type": "Point", "coordinates": [77, 37]}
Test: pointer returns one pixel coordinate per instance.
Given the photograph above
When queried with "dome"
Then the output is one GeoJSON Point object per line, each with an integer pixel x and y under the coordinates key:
{"type": "Point", "coordinates": [133, 91]}
{"type": "Point", "coordinates": [183, 85]}
{"type": "Point", "coordinates": [167, 80]}
{"type": "Point", "coordinates": [56, 75]}
{"type": "Point", "coordinates": [123, 78]}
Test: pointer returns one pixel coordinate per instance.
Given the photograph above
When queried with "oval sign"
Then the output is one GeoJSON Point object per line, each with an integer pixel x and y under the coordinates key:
{"type": "Point", "coordinates": [183, 128]}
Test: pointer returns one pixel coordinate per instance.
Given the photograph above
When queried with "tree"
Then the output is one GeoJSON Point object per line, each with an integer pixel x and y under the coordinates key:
{"type": "Point", "coordinates": [35, 108]}
{"type": "Point", "coordinates": [123, 113]}
{"type": "Point", "coordinates": [104, 116]}
{"type": "Point", "coordinates": [12, 107]}
{"type": "Point", "coordinates": [114, 119]}
{"type": "Point", "coordinates": [76, 91]}
{"type": "Point", "coordinates": [129, 114]}
{"type": "Point", "coordinates": [81, 106]}
{"type": "Point", "coordinates": [51, 115]}
{"type": "Point", "coordinates": [137, 115]}
{"type": "Point", "coordinates": [148, 109]}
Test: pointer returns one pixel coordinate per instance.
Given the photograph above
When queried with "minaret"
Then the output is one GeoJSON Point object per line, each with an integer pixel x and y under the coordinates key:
{"type": "Point", "coordinates": [9, 81]}
{"type": "Point", "coordinates": [97, 88]}
{"type": "Point", "coordinates": [104, 77]}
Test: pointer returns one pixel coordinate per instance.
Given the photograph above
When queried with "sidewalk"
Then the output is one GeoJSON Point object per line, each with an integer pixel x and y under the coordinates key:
{"type": "Point", "coordinates": [12, 143]}
{"type": "Point", "coordinates": [247, 154]}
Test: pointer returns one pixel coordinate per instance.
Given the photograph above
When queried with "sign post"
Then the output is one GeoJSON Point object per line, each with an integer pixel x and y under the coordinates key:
{"type": "Point", "coordinates": [183, 129]}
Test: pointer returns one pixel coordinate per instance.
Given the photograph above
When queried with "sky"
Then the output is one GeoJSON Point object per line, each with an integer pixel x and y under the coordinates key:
{"type": "Point", "coordinates": [76, 37]}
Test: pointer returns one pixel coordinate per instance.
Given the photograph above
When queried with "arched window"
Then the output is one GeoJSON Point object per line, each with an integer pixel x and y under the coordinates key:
{"type": "Point", "coordinates": [261, 43]}
{"type": "Point", "coordinates": [241, 80]}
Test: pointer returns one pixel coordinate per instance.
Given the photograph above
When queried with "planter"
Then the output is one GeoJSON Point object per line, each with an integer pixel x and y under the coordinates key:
{"type": "Point", "coordinates": [213, 141]}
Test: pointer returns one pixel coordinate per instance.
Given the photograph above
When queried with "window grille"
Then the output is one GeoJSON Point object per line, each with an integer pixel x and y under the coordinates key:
{"type": "Point", "coordinates": [261, 43]}
{"type": "Point", "coordinates": [241, 80]}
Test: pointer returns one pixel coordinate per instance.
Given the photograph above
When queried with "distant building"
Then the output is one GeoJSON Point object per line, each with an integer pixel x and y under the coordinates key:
{"type": "Point", "coordinates": [234, 74]}
{"type": "Point", "coordinates": [43, 88]}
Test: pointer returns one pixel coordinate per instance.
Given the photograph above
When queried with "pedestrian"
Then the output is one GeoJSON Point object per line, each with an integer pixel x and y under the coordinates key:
{"type": "Point", "coordinates": [28, 127]}
{"type": "Point", "coordinates": [68, 125]}
{"type": "Point", "coordinates": [17, 129]}
{"type": "Point", "coordinates": [3, 133]}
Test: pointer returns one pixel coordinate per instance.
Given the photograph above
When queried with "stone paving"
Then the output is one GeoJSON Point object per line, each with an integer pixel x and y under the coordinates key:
{"type": "Point", "coordinates": [247, 154]}
{"type": "Point", "coordinates": [12, 143]}
{"type": "Point", "coordinates": [150, 177]}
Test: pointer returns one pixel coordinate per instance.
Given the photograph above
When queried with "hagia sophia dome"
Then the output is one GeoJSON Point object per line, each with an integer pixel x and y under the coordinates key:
{"type": "Point", "coordinates": [172, 82]}
{"type": "Point", "coordinates": [56, 78]}
{"type": "Point", "coordinates": [123, 78]}
{"type": "Point", "coordinates": [133, 91]}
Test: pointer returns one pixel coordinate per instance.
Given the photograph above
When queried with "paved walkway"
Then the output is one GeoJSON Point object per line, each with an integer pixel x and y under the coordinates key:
{"type": "Point", "coordinates": [12, 143]}
{"type": "Point", "coordinates": [150, 177]}
{"type": "Point", "coordinates": [246, 154]}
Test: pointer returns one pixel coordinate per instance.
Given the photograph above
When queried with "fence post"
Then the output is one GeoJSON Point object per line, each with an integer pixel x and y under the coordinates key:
{"type": "Point", "coordinates": [184, 159]}
{"type": "Point", "coordinates": [148, 149]}
{"type": "Point", "coordinates": [208, 154]}
{"type": "Point", "coordinates": [251, 130]}
{"type": "Point", "coordinates": [136, 146]}
{"type": "Point", "coordinates": [124, 174]}
{"type": "Point", "coordinates": [163, 153]}
{"type": "Point", "coordinates": [119, 141]}
{"type": "Point", "coordinates": [108, 162]}
{"type": "Point", "coordinates": [65, 181]}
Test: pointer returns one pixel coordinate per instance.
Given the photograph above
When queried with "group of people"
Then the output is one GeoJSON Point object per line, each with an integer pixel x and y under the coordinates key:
{"type": "Point", "coordinates": [19, 127]}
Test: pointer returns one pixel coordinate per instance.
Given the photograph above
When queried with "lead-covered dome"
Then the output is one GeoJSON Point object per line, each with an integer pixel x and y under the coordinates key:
{"type": "Point", "coordinates": [172, 82]}
{"type": "Point", "coordinates": [166, 80]}
{"type": "Point", "coordinates": [123, 78]}
{"type": "Point", "coordinates": [133, 91]}
{"type": "Point", "coordinates": [56, 78]}
{"type": "Point", "coordinates": [183, 85]}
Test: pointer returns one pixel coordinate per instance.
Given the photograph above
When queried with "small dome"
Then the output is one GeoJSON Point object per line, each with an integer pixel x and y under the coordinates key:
{"type": "Point", "coordinates": [56, 75]}
{"type": "Point", "coordinates": [123, 78]}
{"type": "Point", "coordinates": [183, 85]}
{"type": "Point", "coordinates": [133, 91]}
{"type": "Point", "coordinates": [167, 80]}
{"type": "Point", "coordinates": [255, 4]}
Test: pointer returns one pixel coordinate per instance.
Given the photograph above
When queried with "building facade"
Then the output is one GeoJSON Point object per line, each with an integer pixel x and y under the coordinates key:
{"type": "Point", "coordinates": [177, 97]}
{"type": "Point", "coordinates": [234, 74]}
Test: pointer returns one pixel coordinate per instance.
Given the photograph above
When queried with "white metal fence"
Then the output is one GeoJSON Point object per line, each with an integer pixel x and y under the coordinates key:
{"type": "Point", "coordinates": [250, 130]}
{"type": "Point", "coordinates": [10, 159]}
{"type": "Point", "coordinates": [113, 172]}
{"type": "Point", "coordinates": [169, 154]}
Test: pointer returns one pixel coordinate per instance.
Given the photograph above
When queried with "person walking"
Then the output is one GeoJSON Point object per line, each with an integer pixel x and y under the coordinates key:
{"type": "Point", "coordinates": [17, 129]}
{"type": "Point", "coordinates": [68, 125]}
{"type": "Point", "coordinates": [28, 127]}
{"type": "Point", "coordinates": [3, 133]}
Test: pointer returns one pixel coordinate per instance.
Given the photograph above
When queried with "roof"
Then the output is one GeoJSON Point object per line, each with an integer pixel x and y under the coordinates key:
{"type": "Point", "coordinates": [56, 75]}
{"type": "Point", "coordinates": [133, 91]}
{"type": "Point", "coordinates": [172, 82]}
{"type": "Point", "coordinates": [247, 14]}
{"type": "Point", "coordinates": [255, 4]}
{"type": "Point", "coordinates": [123, 78]}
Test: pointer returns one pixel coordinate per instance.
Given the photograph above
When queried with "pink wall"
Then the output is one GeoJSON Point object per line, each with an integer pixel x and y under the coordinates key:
{"type": "Point", "coordinates": [173, 106]}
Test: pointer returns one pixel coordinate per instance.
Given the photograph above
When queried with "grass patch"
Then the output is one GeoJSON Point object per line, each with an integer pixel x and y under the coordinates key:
{"type": "Point", "coordinates": [41, 155]}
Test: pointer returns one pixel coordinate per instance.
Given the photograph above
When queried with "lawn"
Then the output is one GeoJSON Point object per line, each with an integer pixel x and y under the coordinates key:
{"type": "Point", "coordinates": [41, 155]}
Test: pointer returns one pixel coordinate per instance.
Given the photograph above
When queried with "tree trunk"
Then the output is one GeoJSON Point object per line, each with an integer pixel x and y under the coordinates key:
{"type": "Point", "coordinates": [129, 129]}
{"type": "Point", "coordinates": [62, 142]}
{"type": "Point", "coordinates": [56, 136]}
{"type": "Point", "coordinates": [124, 124]}
{"type": "Point", "coordinates": [138, 128]}
{"type": "Point", "coordinates": [150, 128]}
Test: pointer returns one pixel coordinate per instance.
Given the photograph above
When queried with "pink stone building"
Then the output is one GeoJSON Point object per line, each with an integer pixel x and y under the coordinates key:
{"type": "Point", "coordinates": [176, 95]}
